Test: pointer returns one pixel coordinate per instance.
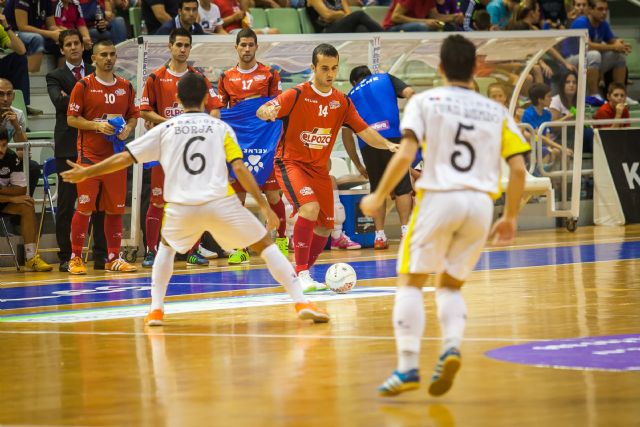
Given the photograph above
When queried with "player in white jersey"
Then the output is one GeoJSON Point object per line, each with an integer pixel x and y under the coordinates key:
{"type": "Point", "coordinates": [463, 136]}
{"type": "Point", "coordinates": [194, 150]}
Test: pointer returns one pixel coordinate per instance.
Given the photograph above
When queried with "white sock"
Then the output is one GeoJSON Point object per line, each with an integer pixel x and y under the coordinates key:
{"type": "Point", "coordinates": [29, 250]}
{"type": "Point", "coordinates": [452, 312]}
{"type": "Point", "coordinates": [339, 216]}
{"type": "Point", "coordinates": [380, 235]}
{"type": "Point", "coordinates": [160, 275]}
{"type": "Point", "coordinates": [282, 270]}
{"type": "Point", "coordinates": [408, 324]}
{"type": "Point", "coordinates": [403, 229]}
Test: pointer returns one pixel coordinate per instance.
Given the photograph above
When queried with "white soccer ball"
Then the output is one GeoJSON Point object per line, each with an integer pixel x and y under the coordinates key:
{"type": "Point", "coordinates": [340, 278]}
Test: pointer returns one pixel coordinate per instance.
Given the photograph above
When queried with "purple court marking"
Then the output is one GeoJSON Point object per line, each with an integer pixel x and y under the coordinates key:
{"type": "Point", "coordinates": [609, 353]}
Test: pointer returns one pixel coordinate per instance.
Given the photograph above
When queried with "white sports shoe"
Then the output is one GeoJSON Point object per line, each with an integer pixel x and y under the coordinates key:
{"type": "Point", "coordinates": [207, 253]}
{"type": "Point", "coordinates": [308, 284]}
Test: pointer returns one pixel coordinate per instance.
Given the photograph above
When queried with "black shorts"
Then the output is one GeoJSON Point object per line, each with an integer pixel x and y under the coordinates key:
{"type": "Point", "coordinates": [376, 160]}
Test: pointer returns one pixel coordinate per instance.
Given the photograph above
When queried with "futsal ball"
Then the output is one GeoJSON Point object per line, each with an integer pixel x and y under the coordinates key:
{"type": "Point", "coordinates": [340, 278]}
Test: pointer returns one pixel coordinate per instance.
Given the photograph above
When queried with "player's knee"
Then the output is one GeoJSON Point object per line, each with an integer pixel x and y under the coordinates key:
{"type": "Point", "coordinates": [445, 280]}
{"type": "Point", "coordinates": [415, 280]}
{"type": "Point", "coordinates": [309, 210]}
{"type": "Point", "coordinates": [273, 197]}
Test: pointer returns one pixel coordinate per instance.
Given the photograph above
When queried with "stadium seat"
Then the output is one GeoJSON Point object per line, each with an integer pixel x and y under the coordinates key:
{"type": "Point", "coordinates": [533, 186]}
{"type": "Point", "coordinates": [284, 19]}
{"type": "Point", "coordinates": [135, 18]}
{"type": "Point", "coordinates": [259, 17]}
{"type": "Point", "coordinates": [305, 22]}
{"type": "Point", "coordinates": [339, 167]}
{"type": "Point", "coordinates": [376, 12]}
{"type": "Point", "coordinates": [633, 59]}
{"type": "Point", "coordinates": [12, 254]}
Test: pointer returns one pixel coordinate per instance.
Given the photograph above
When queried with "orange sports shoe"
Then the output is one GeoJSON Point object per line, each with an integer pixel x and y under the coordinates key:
{"type": "Point", "coordinates": [380, 243]}
{"type": "Point", "coordinates": [154, 318]}
{"type": "Point", "coordinates": [77, 266]}
{"type": "Point", "coordinates": [120, 265]}
{"type": "Point", "coordinates": [308, 310]}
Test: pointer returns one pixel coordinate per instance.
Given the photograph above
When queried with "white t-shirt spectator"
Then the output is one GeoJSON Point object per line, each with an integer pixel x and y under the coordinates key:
{"type": "Point", "coordinates": [210, 19]}
{"type": "Point", "coordinates": [556, 104]}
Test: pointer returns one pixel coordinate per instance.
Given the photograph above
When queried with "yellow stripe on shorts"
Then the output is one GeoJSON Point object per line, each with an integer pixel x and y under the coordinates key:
{"type": "Point", "coordinates": [406, 247]}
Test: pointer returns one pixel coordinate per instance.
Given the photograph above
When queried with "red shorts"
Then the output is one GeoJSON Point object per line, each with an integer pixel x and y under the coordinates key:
{"type": "Point", "coordinates": [157, 184]}
{"type": "Point", "coordinates": [271, 184]}
{"type": "Point", "coordinates": [113, 193]}
{"type": "Point", "coordinates": [302, 185]}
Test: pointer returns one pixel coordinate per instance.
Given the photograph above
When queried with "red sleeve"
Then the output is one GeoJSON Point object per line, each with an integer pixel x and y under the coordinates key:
{"type": "Point", "coordinates": [353, 119]}
{"type": "Point", "coordinates": [133, 112]}
{"type": "Point", "coordinates": [222, 91]}
{"type": "Point", "coordinates": [286, 100]}
{"type": "Point", "coordinates": [213, 103]}
{"type": "Point", "coordinates": [76, 100]}
{"type": "Point", "coordinates": [80, 22]}
{"type": "Point", "coordinates": [276, 87]}
{"type": "Point", "coordinates": [148, 100]}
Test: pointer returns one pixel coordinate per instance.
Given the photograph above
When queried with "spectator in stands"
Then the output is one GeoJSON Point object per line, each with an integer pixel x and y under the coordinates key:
{"type": "Point", "coordinates": [68, 15]}
{"type": "Point", "coordinates": [101, 21]}
{"type": "Point", "coordinates": [210, 19]}
{"type": "Point", "coordinates": [60, 83]}
{"type": "Point", "coordinates": [606, 51]}
{"type": "Point", "coordinates": [615, 108]}
{"type": "Point", "coordinates": [470, 9]}
{"type": "Point", "coordinates": [186, 18]}
{"type": "Point", "coordinates": [157, 12]}
{"type": "Point", "coordinates": [15, 201]}
{"type": "Point", "coordinates": [501, 12]}
{"type": "Point", "coordinates": [335, 16]}
{"type": "Point", "coordinates": [481, 21]}
{"type": "Point", "coordinates": [501, 93]}
{"type": "Point", "coordinates": [14, 66]}
{"type": "Point", "coordinates": [563, 107]}
{"type": "Point", "coordinates": [419, 15]}
{"type": "Point", "coordinates": [36, 28]}
{"type": "Point", "coordinates": [235, 17]}
{"type": "Point", "coordinates": [554, 13]}
{"type": "Point", "coordinates": [579, 9]}
{"type": "Point", "coordinates": [270, 4]}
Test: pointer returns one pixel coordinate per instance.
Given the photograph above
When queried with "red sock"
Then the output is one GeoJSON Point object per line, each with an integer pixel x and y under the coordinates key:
{"type": "Point", "coordinates": [113, 235]}
{"type": "Point", "coordinates": [302, 237]}
{"type": "Point", "coordinates": [79, 227]}
{"type": "Point", "coordinates": [278, 208]}
{"type": "Point", "coordinates": [195, 247]}
{"type": "Point", "coordinates": [154, 220]}
{"type": "Point", "coordinates": [317, 246]}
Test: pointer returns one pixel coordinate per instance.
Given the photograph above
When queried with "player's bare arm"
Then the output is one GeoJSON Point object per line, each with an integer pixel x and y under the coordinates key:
{"type": "Point", "coordinates": [114, 163]}
{"type": "Point", "coordinates": [268, 111]}
{"type": "Point", "coordinates": [152, 116]}
{"type": "Point", "coordinates": [374, 139]}
{"type": "Point", "coordinates": [12, 190]}
{"type": "Point", "coordinates": [81, 123]}
{"type": "Point", "coordinates": [394, 172]}
{"type": "Point", "coordinates": [249, 183]}
{"type": "Point", "coordinates": [504, 230]}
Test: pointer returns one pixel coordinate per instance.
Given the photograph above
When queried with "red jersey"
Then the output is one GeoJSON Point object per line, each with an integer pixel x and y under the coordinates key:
{"type": "Point", "coordinates": [236, 85]}
{"type": "Point", "coordinates": [606, 112]}
{"type": "Point", "coordinates": [98, 101]}
{"type": "Point", "coordinates": [311, 122]}
{"type": "Point", "coordinates": [160, 91]}
{"type": "Point", "coordinates": [227, 8]}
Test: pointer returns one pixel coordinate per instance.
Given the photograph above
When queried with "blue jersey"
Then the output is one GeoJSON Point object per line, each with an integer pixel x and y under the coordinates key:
{"type": "Point", "coordinates": [375, 99]}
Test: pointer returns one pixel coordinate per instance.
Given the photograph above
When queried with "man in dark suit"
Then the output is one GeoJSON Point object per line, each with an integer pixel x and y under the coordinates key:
{"type": "Point", "coordinates": [60, 83]}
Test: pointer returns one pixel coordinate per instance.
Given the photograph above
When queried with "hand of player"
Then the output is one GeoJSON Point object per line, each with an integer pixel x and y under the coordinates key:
{"type": "Point", "coordinates": [124, 133]}
{"type": "Point", "coordinates": [392, 147]}
{"type": "Point", "coordinates": [22, 199]}
{"type": "Point", "coordinates": [503, 231]}
{"type": "Point", "coordinates": [273, 222]}
{"type": "Point", "coordinates": [370, 204]}
{"type": "Point", "coordinates": [75, 174]}
{"type": "Point", "coordinates": [362, 170]}
{"type": "Point", "coordinates": [105, 128]}
{"type": "Point", "coordinates": [270, 112]}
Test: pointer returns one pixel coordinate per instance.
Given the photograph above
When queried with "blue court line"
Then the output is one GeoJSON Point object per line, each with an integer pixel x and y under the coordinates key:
{"type": "Point", "coordinates": [125, 288]}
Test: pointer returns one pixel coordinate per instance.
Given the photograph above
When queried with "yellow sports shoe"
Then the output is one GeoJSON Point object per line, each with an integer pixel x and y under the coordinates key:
{"type": "Point", "coordinates": [154, 318]}
{"type": "Point", "coordinates": [77, 266]}
{"type": "Point", "coordinates": [120, 265]}
{"type": "Point", "coordinates": [37, 264]}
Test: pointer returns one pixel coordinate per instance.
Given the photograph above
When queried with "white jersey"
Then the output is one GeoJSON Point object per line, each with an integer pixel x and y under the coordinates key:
{"type": "Point", "coordinates": [193, 149]}
{"type": "Point", "coordinates": [210, 19]}
{"type": "Point", "coordinates": [463, 135]}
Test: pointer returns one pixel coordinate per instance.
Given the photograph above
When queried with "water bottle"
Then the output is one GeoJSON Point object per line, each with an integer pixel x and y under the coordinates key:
{"type": "Point", "coordinates": [99, 17]}
{"type": "Point", "coordinates": [143, 28]}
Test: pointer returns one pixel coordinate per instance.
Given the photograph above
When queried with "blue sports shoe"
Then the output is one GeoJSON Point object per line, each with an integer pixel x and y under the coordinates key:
{"type": "Point", "coordinates": [400, 382]}
{"type": "Point", "coordinates": [195, 258]}
{"type": "Point", "coordinates": [149, 259]}
{"type": "Point", "coordinates": [594, 100]}
{"type": "Point", "coordinates": [446, 369]}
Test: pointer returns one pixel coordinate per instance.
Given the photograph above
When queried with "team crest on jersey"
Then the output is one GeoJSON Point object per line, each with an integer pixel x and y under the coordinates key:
{"type": "Point", "coordinates": [144, 100]}
{"type": "Point", "coordinates": [254, 163]}
{"type": "Point", "coordinates": [334, 104]}
{"type": "Point", "coordinates": [259, 77]}
{"type": "Point", "coordinates": [83, 198]}
{"type": "Point", "coordinates": [156, 191]}
{"type": "Point", "coordinates": [173, 111]}
{"type": "Point", "coordinates": [306, 191]}
{"type": "Point", "coordinates": [73, 107]}
{"type": "Point", "coordinates": [120, 92]}
{"type": "Point", "coordinates": [317, 139]}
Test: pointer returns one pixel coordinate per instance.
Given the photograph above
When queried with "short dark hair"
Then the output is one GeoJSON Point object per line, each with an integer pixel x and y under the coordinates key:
{"type": "Point", "coordinates": [358, 74]}
{"type": "Point", "coordinates": [482, 19]}
{"type": "Point", "coordinates": [4, 133]}
{"type": "Point", "coordinates": [105, 42]}
{"type": "Point", "coordinates": [68, 33]}
{"type": "Point", "coordinates": [182, 2]}
{"type": "Point", "coordinates": [458, 58]}
{"type": "Point", "coordinates": [192, 89]}
{"type": "Point", "coordinates": [537, 92]}
{"type": "Point", "coordinates": [324, 49]}
{"type": "Point", "coordinates": [615, 85]}
{"type": "Point", "coordinates": [179, 32]}
{"type": "Point", "coordinates": [246, 33]}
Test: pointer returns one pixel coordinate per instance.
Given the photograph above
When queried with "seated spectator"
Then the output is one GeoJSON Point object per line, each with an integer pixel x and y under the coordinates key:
{"type": "Point", "coordinates": [101, 21]}
{"type": "Point", "coordinates": [481, 21]}
{"type": "Point", "coordinates": [210, 19]}
{"type": "Point", "coordinates": [15, 201]}
{"type": "Point", "coordinates": [186, 18]}
{"type": "Point", "coordinates": [36, 26]}
{"type": "Point", "coordinates": [335, 16]}
{"type": "Point", "coordinates": [419, 15]}
{"type": "Point", "coordinates": [68, 15]}
{"type": "Point", "coordinates": [234, 18]}
{"type": "Point", "coordinates": [615, 108]}
{"type": "Point", "coordinates": [157, 12]}
{"type": "Point", "coordinates": [500, 93]}
{"type": "Point", "coordinates": [605, 53]}
{"type": "Point", "coordinates": [450, 7]}
{"type": "Point", "coordinates": [501, 12]}
{"type": "Point", "coordinates": [474, 11]}
{"type": "Point", "coordinates": [579, 9]}
{"type": "Point", "coordinates": [270, 4]}
{"type": "Point", "coordinates": [563, 107]}
{"type": "Point", "coordinates": [554, 13]}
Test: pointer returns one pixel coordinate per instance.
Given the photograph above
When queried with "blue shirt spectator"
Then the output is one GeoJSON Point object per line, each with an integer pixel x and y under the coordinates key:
{"type": "Point", "coordinates": [600, 34]}
{"type": "Point", "coordinates": [500, 12]}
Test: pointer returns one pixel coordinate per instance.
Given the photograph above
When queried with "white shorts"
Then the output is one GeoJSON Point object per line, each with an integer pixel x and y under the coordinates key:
{"type": "Point", "coordinates": [447, 232]}
{"type": "Point", "coordinates": [230, 224]}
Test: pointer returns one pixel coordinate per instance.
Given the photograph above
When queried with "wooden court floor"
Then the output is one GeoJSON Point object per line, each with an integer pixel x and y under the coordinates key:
{"type": "Point", "coordinates": [259, 366]}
